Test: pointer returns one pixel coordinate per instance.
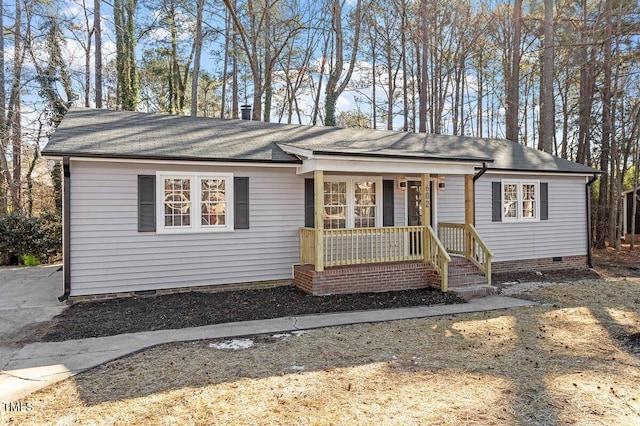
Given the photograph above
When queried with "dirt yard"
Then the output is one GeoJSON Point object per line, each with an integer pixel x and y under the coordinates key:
{"type": "Point", "coordinates": [573, 359]}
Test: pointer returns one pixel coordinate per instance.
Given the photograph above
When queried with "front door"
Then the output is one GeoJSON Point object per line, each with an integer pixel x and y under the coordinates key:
{"type": "Point", "coordinates": [414, 214]}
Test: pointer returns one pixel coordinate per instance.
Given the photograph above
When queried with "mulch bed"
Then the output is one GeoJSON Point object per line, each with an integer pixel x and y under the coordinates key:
{"type": "Point", "coordinates": [193, 309]}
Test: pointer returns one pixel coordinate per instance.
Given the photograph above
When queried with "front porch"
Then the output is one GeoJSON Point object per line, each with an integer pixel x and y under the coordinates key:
{"type": "Point", "coordinates": [383, 258]}
{"type": "Point", "coordinates": [392, 258]}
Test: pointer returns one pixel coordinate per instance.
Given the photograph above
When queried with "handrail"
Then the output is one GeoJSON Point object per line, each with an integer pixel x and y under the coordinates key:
{"type": "Point", "coordinates": [459, 238]}
{"type": "Point", "coordinates": [438, 257]}
{"type": "Point", "coordinates": [480, 254]}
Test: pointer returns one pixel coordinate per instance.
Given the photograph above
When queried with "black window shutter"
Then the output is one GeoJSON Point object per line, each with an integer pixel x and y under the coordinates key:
{"type": "Point", "coordinates": [309, 211]}
{"type": "Point", "coordinates": [146, 203]}
{"type": "Point", "coordinates": [241, 202]}
{"type": "Point", "coordinates": [544, 201]}
{"type": "Point", "coordinates": [496, 201]}
{"type": "Point", "coordinates": [387, 202]}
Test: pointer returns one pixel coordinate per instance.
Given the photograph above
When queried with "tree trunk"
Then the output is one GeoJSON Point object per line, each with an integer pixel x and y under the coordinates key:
{"type": "Point", "coordinates": [87, 57]}
{"type": "Point", "coordinates": [603, 196]}
{"type": "Point", "coordinates": [3, 125]}
{"type": "Point", "coordinates": [15, 119]}
{"type": "Point", "coordinates": [316, 103]}
{"type": "Point", "coordinates": [334, 87]}
{"type": "Point", "coordinates": [225, 66]}
{"type": "Point", "coordinates": [547, 104]}
{"type": "Point", "coordinates": [127, 81]}
{"type": "Point", "coordinates": [634, 205]}
{"type": "Point", "coordinates": [97, 29]}
{"type": "Point", "coordinates": [268, 90]}
{"type": "Point", "coordinates": [374, 105]}
{"type": "Point", "coordinates": [405, 90]}
{"type": "Point", "coordinates": [196, 61]}
{"type": "Point", "coordinates": [583, 155]}
{"type": "Point", "coordinates": [513, 77]}
{"type": "Point", "coordinates": [423, 61]}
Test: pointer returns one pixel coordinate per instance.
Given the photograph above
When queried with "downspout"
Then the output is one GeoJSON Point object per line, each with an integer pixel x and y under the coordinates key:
{"type": "Point", "coordinates": [66, 230]}
{"type": "Point", "coordinates": [481, 172]}
{"type": "Point", "coordinates": [588, 198]}
{"type": "Point", "coordinates": [475, 178]}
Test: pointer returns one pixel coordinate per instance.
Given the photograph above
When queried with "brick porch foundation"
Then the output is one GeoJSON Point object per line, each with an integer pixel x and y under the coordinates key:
{"type": "Point", "coordinates": [541, 264]}
{"type": "Point", "coordinates": [367, 278]}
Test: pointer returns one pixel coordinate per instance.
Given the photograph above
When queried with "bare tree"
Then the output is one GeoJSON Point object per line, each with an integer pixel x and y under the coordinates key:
{"type": "Point", "coordinates": [547, 100]}
{"type": "Point", "coordinates": [512, 79]}
{"type": "Point", "coordinates": [607, 127]}
{"type": "Point", "coordinates": [279, 35]}
{"type": "Point", "coordinates": [337, 83]}
{"type": "Point", "coordinates": [3, 124]}
{"type": "Point", "coordinates": [97, 29]}
{"type": "Point", "coordinates": [197, 42]}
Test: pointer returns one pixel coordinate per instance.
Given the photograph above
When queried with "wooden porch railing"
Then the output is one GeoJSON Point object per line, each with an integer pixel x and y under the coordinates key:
{"type": "Point", "coordinates": [459, 238]}
{"type": "Point", "coordinates": [372, 245]}
{"type": "Point", "coordinates": [377, 245]}
{"type": "Point", "coordinates": [438, 257]}
{"type": "Point", "coordinates": [307, 245]}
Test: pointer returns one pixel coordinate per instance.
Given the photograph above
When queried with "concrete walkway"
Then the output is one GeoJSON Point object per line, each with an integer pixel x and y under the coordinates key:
{"type": "Point", "coordinates": [28, 296]}
{"type": "Point", "coordinates": [38, 365]}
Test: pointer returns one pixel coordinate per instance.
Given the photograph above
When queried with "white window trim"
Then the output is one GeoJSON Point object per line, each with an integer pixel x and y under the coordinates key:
{"type": "Point", "coordinates": [519, 183]}
{"type": "Point", "coordinates": [196, 199]}
{"type": "Point", "coordinates": [351, 196]}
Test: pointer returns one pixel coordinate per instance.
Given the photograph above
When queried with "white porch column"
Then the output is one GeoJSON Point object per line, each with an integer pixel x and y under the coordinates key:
{"type": "Point", "coordinates": [318, 220]}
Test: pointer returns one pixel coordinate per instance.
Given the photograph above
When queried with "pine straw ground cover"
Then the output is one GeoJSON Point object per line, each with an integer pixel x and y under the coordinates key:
{"type": "Point", "coordinates": [561, 362]}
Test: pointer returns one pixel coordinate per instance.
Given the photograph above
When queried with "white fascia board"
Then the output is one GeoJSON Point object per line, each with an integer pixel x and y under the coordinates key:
{"type": "Point", "coordinates": [386, 165]}
{"type": "Point", "coordinates": [587, 176]}
{"type": "Point", "coordinates": [180, 162]}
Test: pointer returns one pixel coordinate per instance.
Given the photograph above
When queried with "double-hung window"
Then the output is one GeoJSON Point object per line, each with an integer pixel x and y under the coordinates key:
{"type": "Point", "coordinates": [352, 202]}
{"type": "Point", "coordinates": [520, 200]}
{"type": "Point", "coordinates": [194, 202]}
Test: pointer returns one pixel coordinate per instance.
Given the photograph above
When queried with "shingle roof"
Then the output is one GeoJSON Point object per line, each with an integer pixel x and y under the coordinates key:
{"type": "Point", "coordinates": [121, 134]}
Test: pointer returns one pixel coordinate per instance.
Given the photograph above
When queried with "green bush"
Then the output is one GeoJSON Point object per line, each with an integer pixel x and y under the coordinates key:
{"type": "Point", "coordinates": [30, 260]}
{"type": "Point", "coordinates": [40, 237]}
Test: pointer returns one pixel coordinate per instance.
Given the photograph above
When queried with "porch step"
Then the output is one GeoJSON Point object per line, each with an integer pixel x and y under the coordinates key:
{"type": "Point", "coordinates": [466, 280]}
{"type": "Point", "coordinates": [464, 273]}
{"type": "Point", "coordinates": [473, 291]}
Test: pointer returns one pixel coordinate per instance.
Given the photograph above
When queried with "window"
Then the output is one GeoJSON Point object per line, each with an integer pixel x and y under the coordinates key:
{"type": "Point", "coordinates": [194, 203]}
{"type": "Point", "coordinates": [352, 202]}
{"type": "Point", "coordinates": [365, 204]}
{"type": "Point", "coordinates": [520, 200]}
{"type": "Point", "coordinates": [335, 205]}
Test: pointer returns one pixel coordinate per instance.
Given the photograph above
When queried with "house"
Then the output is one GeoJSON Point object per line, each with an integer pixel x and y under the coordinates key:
{"type": "Point", "coordinates": [160, 203]}
{"type": "Point", "coordinates": [628, 221]}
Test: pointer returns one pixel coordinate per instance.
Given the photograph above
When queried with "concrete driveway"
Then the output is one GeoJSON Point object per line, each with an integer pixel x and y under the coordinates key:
{"type": "Point", "coordinates": [28, 297]}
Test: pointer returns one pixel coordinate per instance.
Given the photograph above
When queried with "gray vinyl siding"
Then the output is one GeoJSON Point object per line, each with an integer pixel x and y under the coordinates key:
{"type": "Point", "coordinates": [564, 234]}
{"type": "Point", "coordinates": [109, 255]}
{"type": "Point", "coordinates": [450, 201]}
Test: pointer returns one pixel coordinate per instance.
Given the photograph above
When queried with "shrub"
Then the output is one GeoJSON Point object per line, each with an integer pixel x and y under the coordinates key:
{"type": "Point", "coordinates": [40, 237]}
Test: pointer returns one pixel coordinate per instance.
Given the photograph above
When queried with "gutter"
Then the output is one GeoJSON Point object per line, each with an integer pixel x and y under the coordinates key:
{"type": "Point", "coordinates": [66, 230]}
{"type": "Point", "coordinates": [588, 199]}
